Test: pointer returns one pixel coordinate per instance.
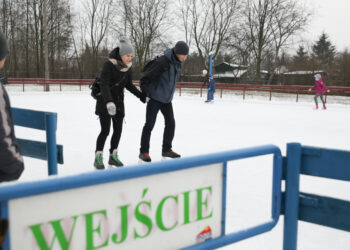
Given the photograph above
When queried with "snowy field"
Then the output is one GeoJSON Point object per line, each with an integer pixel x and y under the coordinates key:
{"type": "Point", "coordinates": [229, 123]}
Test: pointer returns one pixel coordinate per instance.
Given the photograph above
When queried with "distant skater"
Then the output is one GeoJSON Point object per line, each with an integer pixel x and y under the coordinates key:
{"type": "Point", "coordinates": [321, 88]}
{"type": "Point", "coordinates": [209, 80]}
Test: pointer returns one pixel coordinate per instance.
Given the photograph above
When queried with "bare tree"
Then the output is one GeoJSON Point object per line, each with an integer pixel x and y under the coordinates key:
{"type": "Point", "coordinates": [145, 22]}
{"type": "Point", "coordinates": [211, 21]}
{"type": "Point", "coordinates": [258, 16]}
{"type": "Point", "coordinates": [288, 19]}
{"type": "Point", "coordinates": [46, 45]}
{"type": "Point", "coordinates": [98, 17]}
{"type": "Point", "coordinates": [185, 15]}
{"type": "Point", "coordinates": [270, 24]}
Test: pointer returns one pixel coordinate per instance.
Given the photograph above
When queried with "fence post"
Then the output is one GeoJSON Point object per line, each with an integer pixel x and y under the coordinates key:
{"type": "Point", "coordinates": [290, 232]}
{"type": "Point", "coordinates": [51, 125]}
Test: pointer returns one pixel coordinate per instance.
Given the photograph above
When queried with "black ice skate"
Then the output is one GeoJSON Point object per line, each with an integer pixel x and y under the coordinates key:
{"type": "Point", "coordinates": [170, 154]}
{"type": "Point", "coordinates": [114, 160]}
{"type": "Point", "coordinates": [98, 164]}
{"type": "Point", "coordinates": [144, 157]}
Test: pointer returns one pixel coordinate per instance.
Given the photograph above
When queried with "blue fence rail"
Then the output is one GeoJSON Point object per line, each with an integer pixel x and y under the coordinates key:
{"type": "Point", "coordinates": [41, 150]}
{"type": "Point", "coordinates": [7, 193]}
{"type": "Point", "coordinates": [295, 205]}
{"type": "Point", "coordinates": [325, 211]}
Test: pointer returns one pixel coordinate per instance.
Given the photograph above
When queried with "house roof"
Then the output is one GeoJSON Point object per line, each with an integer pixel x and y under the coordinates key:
{"type": "Point", "coordinates": [304, 72]}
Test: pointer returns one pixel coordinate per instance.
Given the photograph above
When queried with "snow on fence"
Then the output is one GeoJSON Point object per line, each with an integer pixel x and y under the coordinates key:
{"type": "Point", "coordinates": [193, 87]}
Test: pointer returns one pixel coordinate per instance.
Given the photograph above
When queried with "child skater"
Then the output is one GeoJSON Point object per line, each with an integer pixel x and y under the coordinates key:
{"type": "Point", "coordinates": [321, 88]}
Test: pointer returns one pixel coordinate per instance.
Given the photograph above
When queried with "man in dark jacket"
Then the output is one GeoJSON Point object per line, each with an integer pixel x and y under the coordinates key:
{"type": "Point", "coordinates": [159, 84]}
{"type": "Point", "coordinates": [11, 161]}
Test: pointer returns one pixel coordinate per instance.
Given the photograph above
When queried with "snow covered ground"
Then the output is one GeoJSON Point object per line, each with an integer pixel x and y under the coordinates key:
{"type": "Point", "coordinates": [229, 123]}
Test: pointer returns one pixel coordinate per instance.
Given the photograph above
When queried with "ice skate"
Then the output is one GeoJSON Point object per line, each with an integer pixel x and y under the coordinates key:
{"type": "Point", "coordinates": [170, 155]}
{"type": "Point", "coordinates": [98, 164]}
{"type": "Point", "coordinates": [144, 158]}
{"type": "Point", "coordinates": [114, 160]}
{"type": "Point", "coordinates": [324, 107]}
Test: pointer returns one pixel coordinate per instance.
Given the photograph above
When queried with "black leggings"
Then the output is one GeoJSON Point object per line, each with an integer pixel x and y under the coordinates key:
{"type": "Point", "coordinates": [105, 121]}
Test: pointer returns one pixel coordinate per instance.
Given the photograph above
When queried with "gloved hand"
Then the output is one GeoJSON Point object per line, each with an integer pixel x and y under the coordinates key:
{"type": "Point", "coordinates": [310, 89]}
{"type": "Point", "coordinates": [328, 90]}
{"type": "Point", "coordinates": [111, 108]}
{"type": "Point", "coordinates": [147, 99]}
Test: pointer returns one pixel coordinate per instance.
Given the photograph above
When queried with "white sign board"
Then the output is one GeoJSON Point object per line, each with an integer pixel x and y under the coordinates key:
{"type": "Point", "coordinates": [164, 211]}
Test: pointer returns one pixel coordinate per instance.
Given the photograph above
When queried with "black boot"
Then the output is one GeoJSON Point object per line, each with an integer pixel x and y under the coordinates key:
{"type": "Point", "coordinates": [114, 159]}
{"type": "Point", "coordinates": [171, 154]}
{"type": "Point", "coordinates": [145, 157]}
{"type": "Point", "coordinates": [98, 164]}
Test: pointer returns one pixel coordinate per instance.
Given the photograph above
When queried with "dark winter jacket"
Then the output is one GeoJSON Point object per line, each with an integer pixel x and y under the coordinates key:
{"type": "Point", "coordinates": [162, 79]}
{"type": "Point", "coordinates": [113, 82]}
{"type": "Point", "coordinates": [11, 161]}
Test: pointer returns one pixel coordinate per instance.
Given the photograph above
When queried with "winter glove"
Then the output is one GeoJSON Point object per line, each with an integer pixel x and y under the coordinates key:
{"type": "Point", "coordinates": [328, 90]}
{"type": "Point", "coordinates": [309, 90]}
{"type": "Point", "coordinates": [147, 99]}
{"type": "Point", "coordinates": [111, 108]}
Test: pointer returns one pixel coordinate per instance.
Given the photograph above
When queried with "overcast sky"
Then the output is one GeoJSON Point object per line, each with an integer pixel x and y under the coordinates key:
{"type": "Point", "coordinates": [332, 17]}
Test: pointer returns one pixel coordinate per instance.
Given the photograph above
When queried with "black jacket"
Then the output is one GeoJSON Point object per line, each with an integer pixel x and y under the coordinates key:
{"type": "Point", "coordinates": [113, 82]}
{"type": "Point", "coordinates": [11, 161]}
{"type": "Point", "coordinates": [160, 82]}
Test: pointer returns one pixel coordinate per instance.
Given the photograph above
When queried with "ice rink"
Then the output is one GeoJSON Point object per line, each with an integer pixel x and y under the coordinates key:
{"type": "Point", "coordinates": [229, 123]}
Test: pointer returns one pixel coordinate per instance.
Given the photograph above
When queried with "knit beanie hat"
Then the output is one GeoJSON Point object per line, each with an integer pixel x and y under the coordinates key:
{"type": "Point", "coordinates": [3, 46]}
{"type": "Point", "coordinates": [181, 48]}
{"type": "Point", "coordinates": [125, 46]}
{"type": "Point", "coordinates": [317, 77]}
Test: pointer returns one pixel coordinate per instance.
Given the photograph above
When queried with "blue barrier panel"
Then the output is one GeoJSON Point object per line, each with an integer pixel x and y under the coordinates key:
{"type": "Point", "coordinates": [326, 211]}
{"type": "Point", "coordinates": [12, 194]}
{"type": "Point", "coordinates": [41, 150]}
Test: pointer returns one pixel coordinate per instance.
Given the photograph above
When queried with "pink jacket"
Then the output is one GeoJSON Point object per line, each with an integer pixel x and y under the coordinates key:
{"type": "Point", "coordinates": [320, 87]}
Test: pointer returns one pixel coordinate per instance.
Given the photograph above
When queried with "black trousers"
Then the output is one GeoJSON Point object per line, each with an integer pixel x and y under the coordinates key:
{"type": "Point", "coordinates": [152, 110]}
{"type": "Point", "coordinates": [105, 121]}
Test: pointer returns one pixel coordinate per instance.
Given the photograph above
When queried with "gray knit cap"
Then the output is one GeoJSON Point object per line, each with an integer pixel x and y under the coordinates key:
{"type": "Point", "coordinates": [3, 46]}
{"type": "Point", "coordinates": [125, 46]}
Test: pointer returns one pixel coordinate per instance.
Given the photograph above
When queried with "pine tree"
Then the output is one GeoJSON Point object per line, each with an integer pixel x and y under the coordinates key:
{"type": "Point", "coordinates": [323, 50]}
{"type": "Point", "coordinates": [301, 56]}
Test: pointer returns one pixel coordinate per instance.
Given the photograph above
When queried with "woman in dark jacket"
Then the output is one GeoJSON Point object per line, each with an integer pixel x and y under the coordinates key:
{"type": "Point", "coordinates": [115, 76]}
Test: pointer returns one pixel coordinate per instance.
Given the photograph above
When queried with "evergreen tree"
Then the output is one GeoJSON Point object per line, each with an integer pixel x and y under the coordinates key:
{"type": "Point", "coordinates": [301, 56]}
{"type": "Point", "coordinates": [323, 50]}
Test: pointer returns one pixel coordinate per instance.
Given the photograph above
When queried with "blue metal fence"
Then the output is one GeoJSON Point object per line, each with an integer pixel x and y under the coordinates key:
{"type": "Point", "coordinates": [41, 150]}
{"type": "Point", "coordinates": [8, 193]}
{"type": "Point", "coordinates": [326, 211]}
{"type": "Point", "coordinates": [295, 205]}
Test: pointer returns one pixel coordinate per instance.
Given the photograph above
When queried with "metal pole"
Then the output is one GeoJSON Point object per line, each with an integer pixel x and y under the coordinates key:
{"type": "Point", "coordinates": [210, 63]}
{"type": "Point", "coordinates": [290, 233]}
{"type": "Point", "coordinates": [51, 126]}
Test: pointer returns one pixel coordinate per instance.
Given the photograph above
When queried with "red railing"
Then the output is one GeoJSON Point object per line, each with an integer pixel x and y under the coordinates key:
{"type": "Point", "coordinates": [220, 87]}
